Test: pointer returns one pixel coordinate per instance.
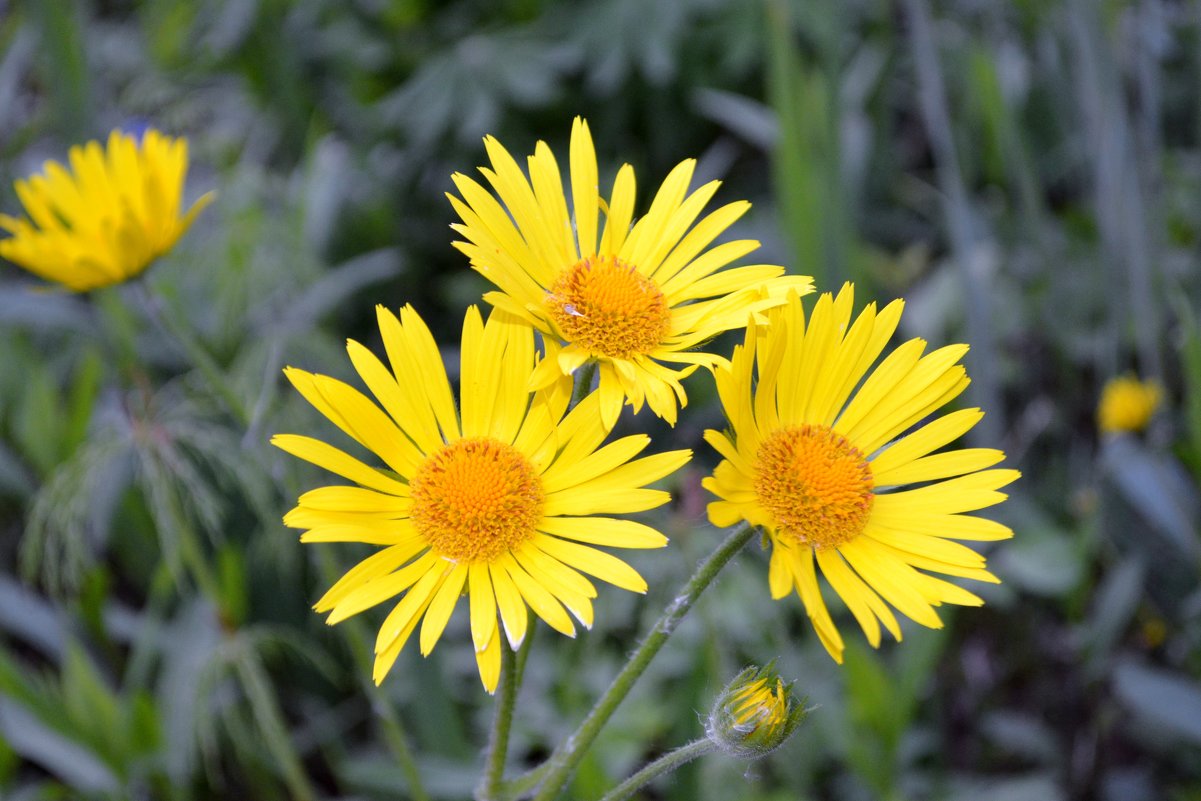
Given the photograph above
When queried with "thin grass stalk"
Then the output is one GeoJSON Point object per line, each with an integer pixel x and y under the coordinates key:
{"type": "Point", "coordinates": [1014, 146]}
{"type": "Point", "coordinates": [959, 218]}
{"type": "Point", "coordinates": [1118, 194]}
{"type": "Point", "coordinates": [270, 719]}
{"type": "Point", "coordinates": [794, 165]}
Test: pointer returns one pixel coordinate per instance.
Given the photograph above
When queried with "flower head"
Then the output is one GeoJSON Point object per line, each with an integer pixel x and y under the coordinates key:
{"type": "Point", "coordinates": [107, 218]}
{"type": "Point", "coordinates": [820, 468]}
{"type": "Point", "coordinates": [501, 500]}
{"type": "Point", "coordinates": [754, 714]}
{"type": "Point", "coordinates": [637, 298]}
{"type": "Point", "coordinates": [1127, 404]}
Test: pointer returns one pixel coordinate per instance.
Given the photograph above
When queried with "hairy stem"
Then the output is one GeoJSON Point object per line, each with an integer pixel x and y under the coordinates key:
{"type": "Point", "coordinates": [569, 753]}
{"type": "Point", "coordinates": [661, 766]}
{"type": "Point", "coordinates": [502, 721]}
{"type": "Point", "coordinates": [512, 668]}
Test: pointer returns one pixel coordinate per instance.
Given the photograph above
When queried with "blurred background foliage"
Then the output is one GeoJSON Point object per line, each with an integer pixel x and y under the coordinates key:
{"type": "Point", "coordinates": [1027, 174]}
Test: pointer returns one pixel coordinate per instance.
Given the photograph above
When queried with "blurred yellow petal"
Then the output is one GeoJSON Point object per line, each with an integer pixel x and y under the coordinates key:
{"type": "Point", "coordinates": [107, 217]}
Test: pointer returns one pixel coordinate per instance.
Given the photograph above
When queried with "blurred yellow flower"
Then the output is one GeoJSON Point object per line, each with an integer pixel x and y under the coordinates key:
{"type": "Point", "coordinates": [810, 461]}
{"type": "Point", "coordinates": [498, 499]}
{"type": "Point", "coordinates": [630, 297]}
{"type": "Point", "coordinates": [1127, 404]}
{"type": "Point", "coordinates": [106, 219]}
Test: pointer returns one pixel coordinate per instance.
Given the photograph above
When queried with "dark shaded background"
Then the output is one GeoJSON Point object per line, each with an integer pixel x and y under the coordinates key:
{"type": "Point", "coordinates": [1027, 174]}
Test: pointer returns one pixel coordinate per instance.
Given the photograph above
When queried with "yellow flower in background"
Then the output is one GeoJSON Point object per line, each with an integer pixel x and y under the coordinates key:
{"type": "Point", "coordinates": [635, 298]}
{"type": "Point", "coordinates": [501, 500]}
{"type": "Point", "coordinates": [819, 466]}
{"type": "Point", "coordinates": [105, 219]}
{"type": "Point", "coordinates": [1127, 404]}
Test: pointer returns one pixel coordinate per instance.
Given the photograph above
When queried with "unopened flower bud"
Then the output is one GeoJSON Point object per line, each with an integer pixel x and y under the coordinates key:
{"type": "Point", "coordinates": [755, 713]}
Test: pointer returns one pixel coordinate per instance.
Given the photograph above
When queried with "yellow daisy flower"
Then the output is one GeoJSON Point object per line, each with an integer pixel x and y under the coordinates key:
{"type": "Point", "coordinates": [501, 500]}
{"type": "Point", "coordinates": [820, 467]}
{"type": "Point", "coordinates": [106, 219]}
{"type": "Point", "coordinates": [1127, 404]}
{"type": "Point", "coordinates": [636, 299]}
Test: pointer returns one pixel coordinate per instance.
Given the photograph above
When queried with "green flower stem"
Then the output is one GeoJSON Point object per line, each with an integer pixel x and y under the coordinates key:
{"type": "Point", "coordinates": [498, 741]}
{"type": "Point", "coordinates": [512, 667]}
{"type": "Point", "coordinates": [524, 785]}
{"type": "Point", "coordinates": [170, 322]}
{"type": "Point", "coordinates": [660, 767]}
{"type": "Point", "coordinates": [569, 753]}
{"type": "Point", "coordinates": [393, 730]}
{"type": "Point", "coordinates": [117, 327]}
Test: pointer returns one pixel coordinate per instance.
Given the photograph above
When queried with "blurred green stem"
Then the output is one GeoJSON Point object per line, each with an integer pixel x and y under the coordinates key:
{"type": "Point", "coordinates": [661, 766]}
{"type": "Point", "coordinates": [117, 328]}
{"type": "Point", "coordinates": [170, 321]}
{"type": "Point", "coordinates": [393, 730]}
{"type": "Point", "coordinates": [569, 753]}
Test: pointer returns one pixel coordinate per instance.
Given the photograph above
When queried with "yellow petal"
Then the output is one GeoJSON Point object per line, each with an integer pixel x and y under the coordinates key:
{"type": "Point", "coordinates": [483, 606]}
{"type": "Point", "coordinates": [512, 609]}
{"type": "Point", "coordinates": [441, 608]}
{"type": "Point", "coordinates": [336, 461]}
{"type": "Point", "coordinates": [488, 661]}
{"type": "Point", "coordinates": [604, 531]}
{"type": "Point", "coordinates": [593, 562]}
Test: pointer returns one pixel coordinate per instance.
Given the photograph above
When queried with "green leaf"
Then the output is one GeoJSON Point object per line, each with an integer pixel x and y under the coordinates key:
{"type": "Point", "coordinates": [876, 715]}
{"type": "Point", "coordinates": [1114, 604]}
{"type": "Point", "coordinates": [68, 760]}
{"type": "Point", "coordinates": [81, 399]}
{"type": "Point", "coordinates": [231, 576]}
{"type": "Point", "coordinates": [92, 707]}
{"type": "Point", "coordinates": [1165, 698]}
{"type": "Point", "coordinates": [37, 427]}
{"type": "Point", "coordinates": [1041, 561]}
{"type": "Point", "coordinates": [1158, 488]}
{"type": "Point", "coordinates": [28, 617]}
{"type": "Point", "coordinates": [272, 728]}
{"type": "Point", "coordinates": [1190, 357]}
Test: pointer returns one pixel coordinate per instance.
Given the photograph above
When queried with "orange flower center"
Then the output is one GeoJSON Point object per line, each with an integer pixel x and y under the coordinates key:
{"type": "Point", "coordinates": [815, 484]}
{"type": "Point", "coordinates": [609, 308]}
{"type": "Point", "coordinates": [476, 499]}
